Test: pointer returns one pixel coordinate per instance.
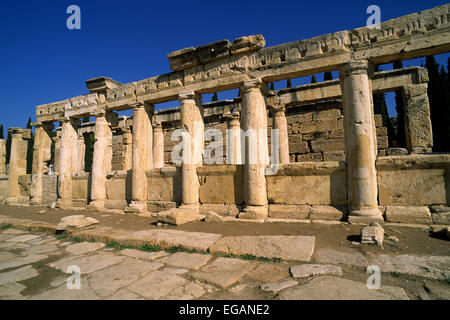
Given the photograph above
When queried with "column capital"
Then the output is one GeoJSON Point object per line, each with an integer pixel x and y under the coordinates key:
{"type": "Point", "coordinates": [37, 124]}
{"type": "Point", "coordinates": [252, 84]}
{"type": "Point", "coordinates": [188, 95]}
{"type": "Point", "coordinates": [157, 125]}
{"type": "Point", "coordinates": [142, 105]}
{"type": "Point", "coordinates": [355, 67]}
{"type": "Point", "coordinates": [278, 111]}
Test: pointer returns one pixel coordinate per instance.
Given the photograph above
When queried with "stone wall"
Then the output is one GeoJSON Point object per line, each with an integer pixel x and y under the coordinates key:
{"type": "Point", "coordinates": [49, 189]}
{"type": "Point", "coordinates": [3, 188]}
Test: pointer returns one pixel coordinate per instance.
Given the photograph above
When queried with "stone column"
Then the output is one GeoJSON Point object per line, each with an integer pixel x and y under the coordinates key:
{"type": "Point", "coordinates": [57, 140]}
{"type": "Point", "coordinates": [141, 123]}
{"type": "Point", "coordinates": [17, 162]}
{"type": "Point", "coordinates": [234, 155]}
{"type": "Point", "coordinates": [360, 143]}
{"type": "Point", "coordinates": [158, 145]}
{"type": "Point", "coordinates": [127, 149]}
{"type": "Point", "coordinates": [192, 122]}
{"type": "Point", "coordinates": [2, 157]}
{"type": "Point", "coordinates": [419, 134]}
{"type": "Point", "coordinates": [256, 156]}
{"type": "Point", "coordinates": [280, 124]}
{"type": "Point", "coordinates": [41, 154]}
{"type": "Point", "coordinates": [81, 153]}
{"type": "Point", "coordinates": [101, 163]}
{"type": "Point", "coordinates": [67, 167]}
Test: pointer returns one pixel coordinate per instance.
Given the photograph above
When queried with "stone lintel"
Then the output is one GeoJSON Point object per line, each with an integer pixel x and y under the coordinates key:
{"type": "Point", "coordinates": [101, 84]}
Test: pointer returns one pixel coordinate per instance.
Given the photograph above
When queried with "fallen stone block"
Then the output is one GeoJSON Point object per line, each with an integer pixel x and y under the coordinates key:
{"type": "Point", "coordinates": [308, 270]}
{"type": "Point", "coordinates": [295, 248]}
{"type": "Point", "coordinates": [373, 234]}
{"type": "Point", "coordinates": [179, 216]}
{"type": "Point", "coordinates": [76, 221]}
{"type": "Point", "coordinates": [213, 217]}
{"type": "Point", "coordinates": [278, 286]}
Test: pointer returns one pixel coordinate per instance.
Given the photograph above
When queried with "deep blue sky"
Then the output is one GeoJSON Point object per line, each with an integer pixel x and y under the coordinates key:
{"type": "Point", "coordinates": [42, 61]}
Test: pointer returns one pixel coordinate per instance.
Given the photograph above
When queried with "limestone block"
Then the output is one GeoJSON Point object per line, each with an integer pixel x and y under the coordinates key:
{"type": "Point", "coordinates": [179, 216]}
{"type": "Point", "coordinates": [221, 184]}
{"type": "Point", "coordinates": [327, 213]}
{"type": "Point", "coordinates": [323, 145]}
{"type": "Point", "coordinates": [213, 51]}
{"type": "Point", "coordinates": [316, 135]}
{"type": "Point", "coordinates": [382, 142]}
{"type": "Point", "coordinates": [412, 187]}
{"type": "Point", "coordinates": [307, 270]}
{"type": "Point", "coordinates": [226, 210]}
{"type": "Point", "coordinates": [278, 286]}
{"type": "Point", "coordinates": [408, 214]}
{"type": "Point", "coordinates": [281, 211]}
{"type": "Point", "coordinates": [76, 221]}
{"type": "Point", "coordinates": [297, 146]}
{"type": "Point", "coordinates": [378, 120]}
{"type": "Point", "coordinates": [334, 156]}
{"type": "Point", "coordinates": [80, 188]}
{"type": "Point", "coordinates": [183, 59]}
{"type": "Point", "coordinates": [372, 234]}
{"type": "Point", "coordinates": [247, 44]}
{"type": "Point", "coordinates": [309, 157]}
{"type": "Point", "coordinates": [318, 126]}
{"type": "Point", "coordinates": [397, 152]}
{"type": "Point", "coordinates": [337, 134]}
{"type": "Point", "coordinates": [382, 131]}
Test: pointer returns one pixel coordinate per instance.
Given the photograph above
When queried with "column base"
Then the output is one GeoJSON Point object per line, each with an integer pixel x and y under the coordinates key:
{"type": "Point", "coordinates": [64, 203]}
{"type": "Point", "coordinates": [365, 216]}
{"type": "Point", "coordinates": [17, 201]}
{"type": "Point", "coordinates": [136, 207]}
{"type": "Point", "coordinates": [255, 212]}
{"type": "Point", "coordinates": [96, 205]}
{"type": "Point", "coordinates": [192, 206]}
{"type": "Point", "coordinates": [36, 201]}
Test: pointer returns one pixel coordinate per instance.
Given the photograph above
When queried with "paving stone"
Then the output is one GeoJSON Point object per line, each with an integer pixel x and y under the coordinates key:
{"type": "Point", "coordinates": [13, 245]}
{"type": "Point", "coordinates": [186, 260]}
{"type": "Point", "coordinates": [190, 240]}
{"type": "Point", "coordinates": [5, 255]}
{"type": "Point", "coordinates": [351, 258]}
{"type": "Point", "coordinates": [20, 274]}
{"type": "Point", "coordinates": [11, 291]}
{"type": "Point", "coordinates": [307, 270]}
{"type": "Point", "coordinates": [124, 294]}
{"type": "Point", "coordinates": [40, 249]}
{"type": "Point", "coordinates": [84, 247]}
{"type": "Point", "coordinates": [433, 267]}
{"type": "Point", "coordinates": [64, 293]}
{"type": "Point", "coordinates": [23, 238]}
{"type": "Point", "coordinates": [87, 264]}
{"type": "Point", "coordinates": [36, 241]}
{"type": "Point", "coordinates": [150, 256]}
{"type": "Point", "coordinates": [269, 272]}
{"type": "Point", "coordinates": [437, 291]}
{"type": "Point", "coordinates": [13, 231]}
{"type": "Point", "coordinates": [20, 261]}
{"type": "Point", "coordinates": [278, 286]}
{"type": "Point", "coordinates": [296, 248]}
{"type": "Point", "coordinates": [179, 271]}
{"type": "Point", "coordinates": [65, 244]}
{"type": "Point", "coordinates": [224, 272]}
{"type": "Point", "coordinates": [187, 292]}
{"type": "Point", "coordinates": [108, 280]}
{"type": "Point", "coordinates": [157, 284]}
{"type": "Point", "coordinates": [334, 288]}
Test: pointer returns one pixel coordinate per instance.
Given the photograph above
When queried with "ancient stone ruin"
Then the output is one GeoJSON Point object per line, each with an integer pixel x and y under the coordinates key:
{"type": "Point", "coordinates": [334, 160]}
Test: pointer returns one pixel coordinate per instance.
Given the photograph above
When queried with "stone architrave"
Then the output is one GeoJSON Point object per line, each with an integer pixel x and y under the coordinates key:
{"type": "Point", "coordinates": [41, 154]}
{"type": "Point", "coordinates": [192, 122]}
{"type": "Point", "coordinates": [141, 131]}
{"type": "Point", "coordinates": [102, 157]}
{"type": "Point", "coordinates": [360, 143]}
{"type": "Point", "coordinates": [17, 163]}
{"type": "Point", "coordinates": [158, 145]}
{"type": "Point", "coordinates": [255, 149]}
{"type": "Point", "coordinates": [68, 160]}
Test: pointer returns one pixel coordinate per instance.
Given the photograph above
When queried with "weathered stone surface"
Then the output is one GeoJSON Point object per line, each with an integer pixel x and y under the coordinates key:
{"type": "Point", "coordinates": [186, 260]}
{"type": "Point", "coordinates": [11, 291]}
{"type": "Point", "coordinates": [352, 258]}
{"type": "Point", "coordinates": [5, 255]}
{"type": "Point", "coordinates": [333, 288]}
{"type": "Point", "coordinates": [87, 264]}
{"type": "Point", "coordinates": [278, 286]}
{"type": "Point", "coordinates": [213, 51]}
{"type": "Point", "coordinates": [64, 293]}
{"type": "Point", "coordinates": [408, 214]}
{"type": "Point", "coordinates": [441, 218]}
{"type": "Point", "coordinates": [13, 231]}
{"type": "Point", "coordinates": [187, 292]}
{"type": "Point", "coordinates": [150, 256]}
{"type": "Point", "coordinates": [307, 270]}
{"type": "Point", "coordinates": [23, 238]}
{"type": "Point", "coordinates": [107, 281]}
{"type": "Point", "coordinates": [247, 44]}
{"type": "Point", "coordinates": [183, 59]}
{"type": "Point", "coordinates": [20, 261]}
{"type": "Point", "coordinates": [297, 248]}
{"type": "Point", "coordinates": [327, 213]}
{"type": "Point", "coordinates": [84, 247]}
{"type": "Point", "coordinates": [213, 217]}
{"type": "Point", "coordinates": [269, 272]}
{"type": "Point", "coordinates": [157, 285]}
{"type": "Point", "coordinates": [46, 248]}
{"type": "Point", "coordinates": [179, 216]}
{"type": "Point", "coordinates": [373, 234]}
{"type": "Point", "coordinates": [279, 211]}
{"type": "Point", "coordinates": [397, 152]}
{"type": "Point", "coordinates": [20, 274]}
{"type": "Point", "coordinates": [433, 267]}
{"type": "Point", "coordinates": [224, 272]}
{"type": "Point", "coordinates": [76, 221]}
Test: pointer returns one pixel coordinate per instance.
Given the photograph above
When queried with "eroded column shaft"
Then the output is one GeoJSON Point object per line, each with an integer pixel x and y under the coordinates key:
{"type": "Point", "coordinates": [280, 124]}
{"type": "Point", "coordinates": [158, 146]}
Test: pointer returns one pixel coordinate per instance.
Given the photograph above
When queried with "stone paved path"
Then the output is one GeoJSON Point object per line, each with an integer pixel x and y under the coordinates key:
{"type": "Point", "coordinates": [36, 265]}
